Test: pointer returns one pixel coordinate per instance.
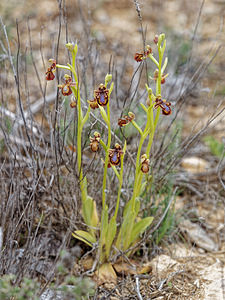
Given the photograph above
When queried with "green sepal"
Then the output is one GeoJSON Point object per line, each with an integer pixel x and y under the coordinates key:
{"type": "Point", "coordinates": [85, 237]}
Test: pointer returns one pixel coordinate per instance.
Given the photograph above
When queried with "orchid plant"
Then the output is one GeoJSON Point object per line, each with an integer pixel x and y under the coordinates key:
{"type": "Point", "coordinates": [103, 230]}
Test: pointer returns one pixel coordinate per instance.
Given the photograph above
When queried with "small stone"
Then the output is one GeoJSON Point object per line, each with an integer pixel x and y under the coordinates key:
{"type": "Point", "coordinates": [194, 164]}
{"type": "Point", "coordinates": [198, 236]}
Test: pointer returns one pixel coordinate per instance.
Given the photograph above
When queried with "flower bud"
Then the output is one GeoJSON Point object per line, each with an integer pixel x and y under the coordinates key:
{"type": "Point", "coordinates": [108, 79]}
{"type": "Point", "coordinates": [70, 47]}
{"type": "Point", "coordinates": [161, 38]}
{"type": "Point", "coordinates": [156, 39]}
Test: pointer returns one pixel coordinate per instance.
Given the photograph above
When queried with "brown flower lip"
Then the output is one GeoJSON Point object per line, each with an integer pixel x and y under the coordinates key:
{"type": "Point", "coordinates": [50, 71]}
{"type": "Point", "coordinates": [94, 142]}
{"type": "Point", "coordinates": [144, 164]}
{"type": "Point", "coordinates": [165, 106]}
{"type": "Point", "coordinates": [143, 55]}
{"type": "Point", "coordinates": [66, 87]}
{"type": "Point", "coordinates": [163, 77]}
{"type": "Point", "coordinates": [138, 57]}
{"type": "Point", "coordinates": [73, 104]}
{"type": "Point", "coordinates": [115, 155]}
{"type": "Point", "coordinates": [93, 104]}
{"type": "Point", "coordinates": [125, 120]}
{"type": "Point", "coordinates": [101, 95]}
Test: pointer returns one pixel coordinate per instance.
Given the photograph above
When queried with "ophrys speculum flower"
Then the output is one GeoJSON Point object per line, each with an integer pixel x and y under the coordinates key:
{"type": "Point", "coordinates": [115, 155]}
{"type": "Point", "coordinates": [66, 87]}
{"type": "Point", "coordinates": [51, 70]}
{"type": "Point", "coordinates": [165, 106]}
{"type": "Point", "coordinates": [101, 95]}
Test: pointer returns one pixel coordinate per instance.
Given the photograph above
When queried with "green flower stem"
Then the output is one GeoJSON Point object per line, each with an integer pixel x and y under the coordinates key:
{"type": "Point", "coordinates": [158, 81]}
{"type": "Point", "coordinates": [137, 171]}
{"type": "Point", "coordinates": [106, 158]}
{"type": "Point", "coordinates": [63, 67]}
{"type": "Point", "coordinates": [157, 118]}
{"type": "Point", "coordinates": [104, 206]}
{"type": "Point", "coordinates": [116, 172]}
{"type": "Point", "coordinates": [153, 121]}
{"type": "Point", "coordinates": [103, 145]}
{"type": "Point", "coordinates": [80, 123]}
{"type": "Point", "coordinates": [104, 116]}
{"type": "Point", "coordinates": [120, 181]}
{"type": "Point", "coordinates": [139, 183]}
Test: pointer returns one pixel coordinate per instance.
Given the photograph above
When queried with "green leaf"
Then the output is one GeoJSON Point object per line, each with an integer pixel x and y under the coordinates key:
{"type": "Point", "coordinates": [140, 227]}
{"type": "Point", "coordinates": [111, 233]}
{"type": "Point", "coordinates": [85, 237]}
{"type": "Point", "coordinates": [123, 239]}
{"type": "Point", "coordinates": [128, 207]}
{"type": "Point", "coordinates": [90, 214]}
{"type": "Point", "coordinates": [139, 185]}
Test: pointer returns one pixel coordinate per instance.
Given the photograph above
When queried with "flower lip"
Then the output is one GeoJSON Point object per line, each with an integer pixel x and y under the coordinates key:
{"type": "Point", "coordinates": [49, 74]}
{"type": "Point", "coordinates": [165, 106]}
{"type": "Point", "coordinates": [93, 104]}
{"type": "Point", "coordinates": [94, 141]}
{"type": "Point", "coordinates": [125, 120]}
{"type": "Point", "coordinates": [138, 57]}
{"type": "Point", "coordinates": [73, 102]}
{"type": "Point", "coordinates": [66, 87]}
{"type": "Point", "coordinates": [101, 95]}
{"type": "Point", "coordinates": [144, 163]}
{"type": "Point", "coordinates": [115, 155]}
{"type": "Point", "coordinates": [50, 71]}
{"type": "Point", "coordinates": [143, 55]}
{"type": "Point", "coordinates": [163, 76]}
